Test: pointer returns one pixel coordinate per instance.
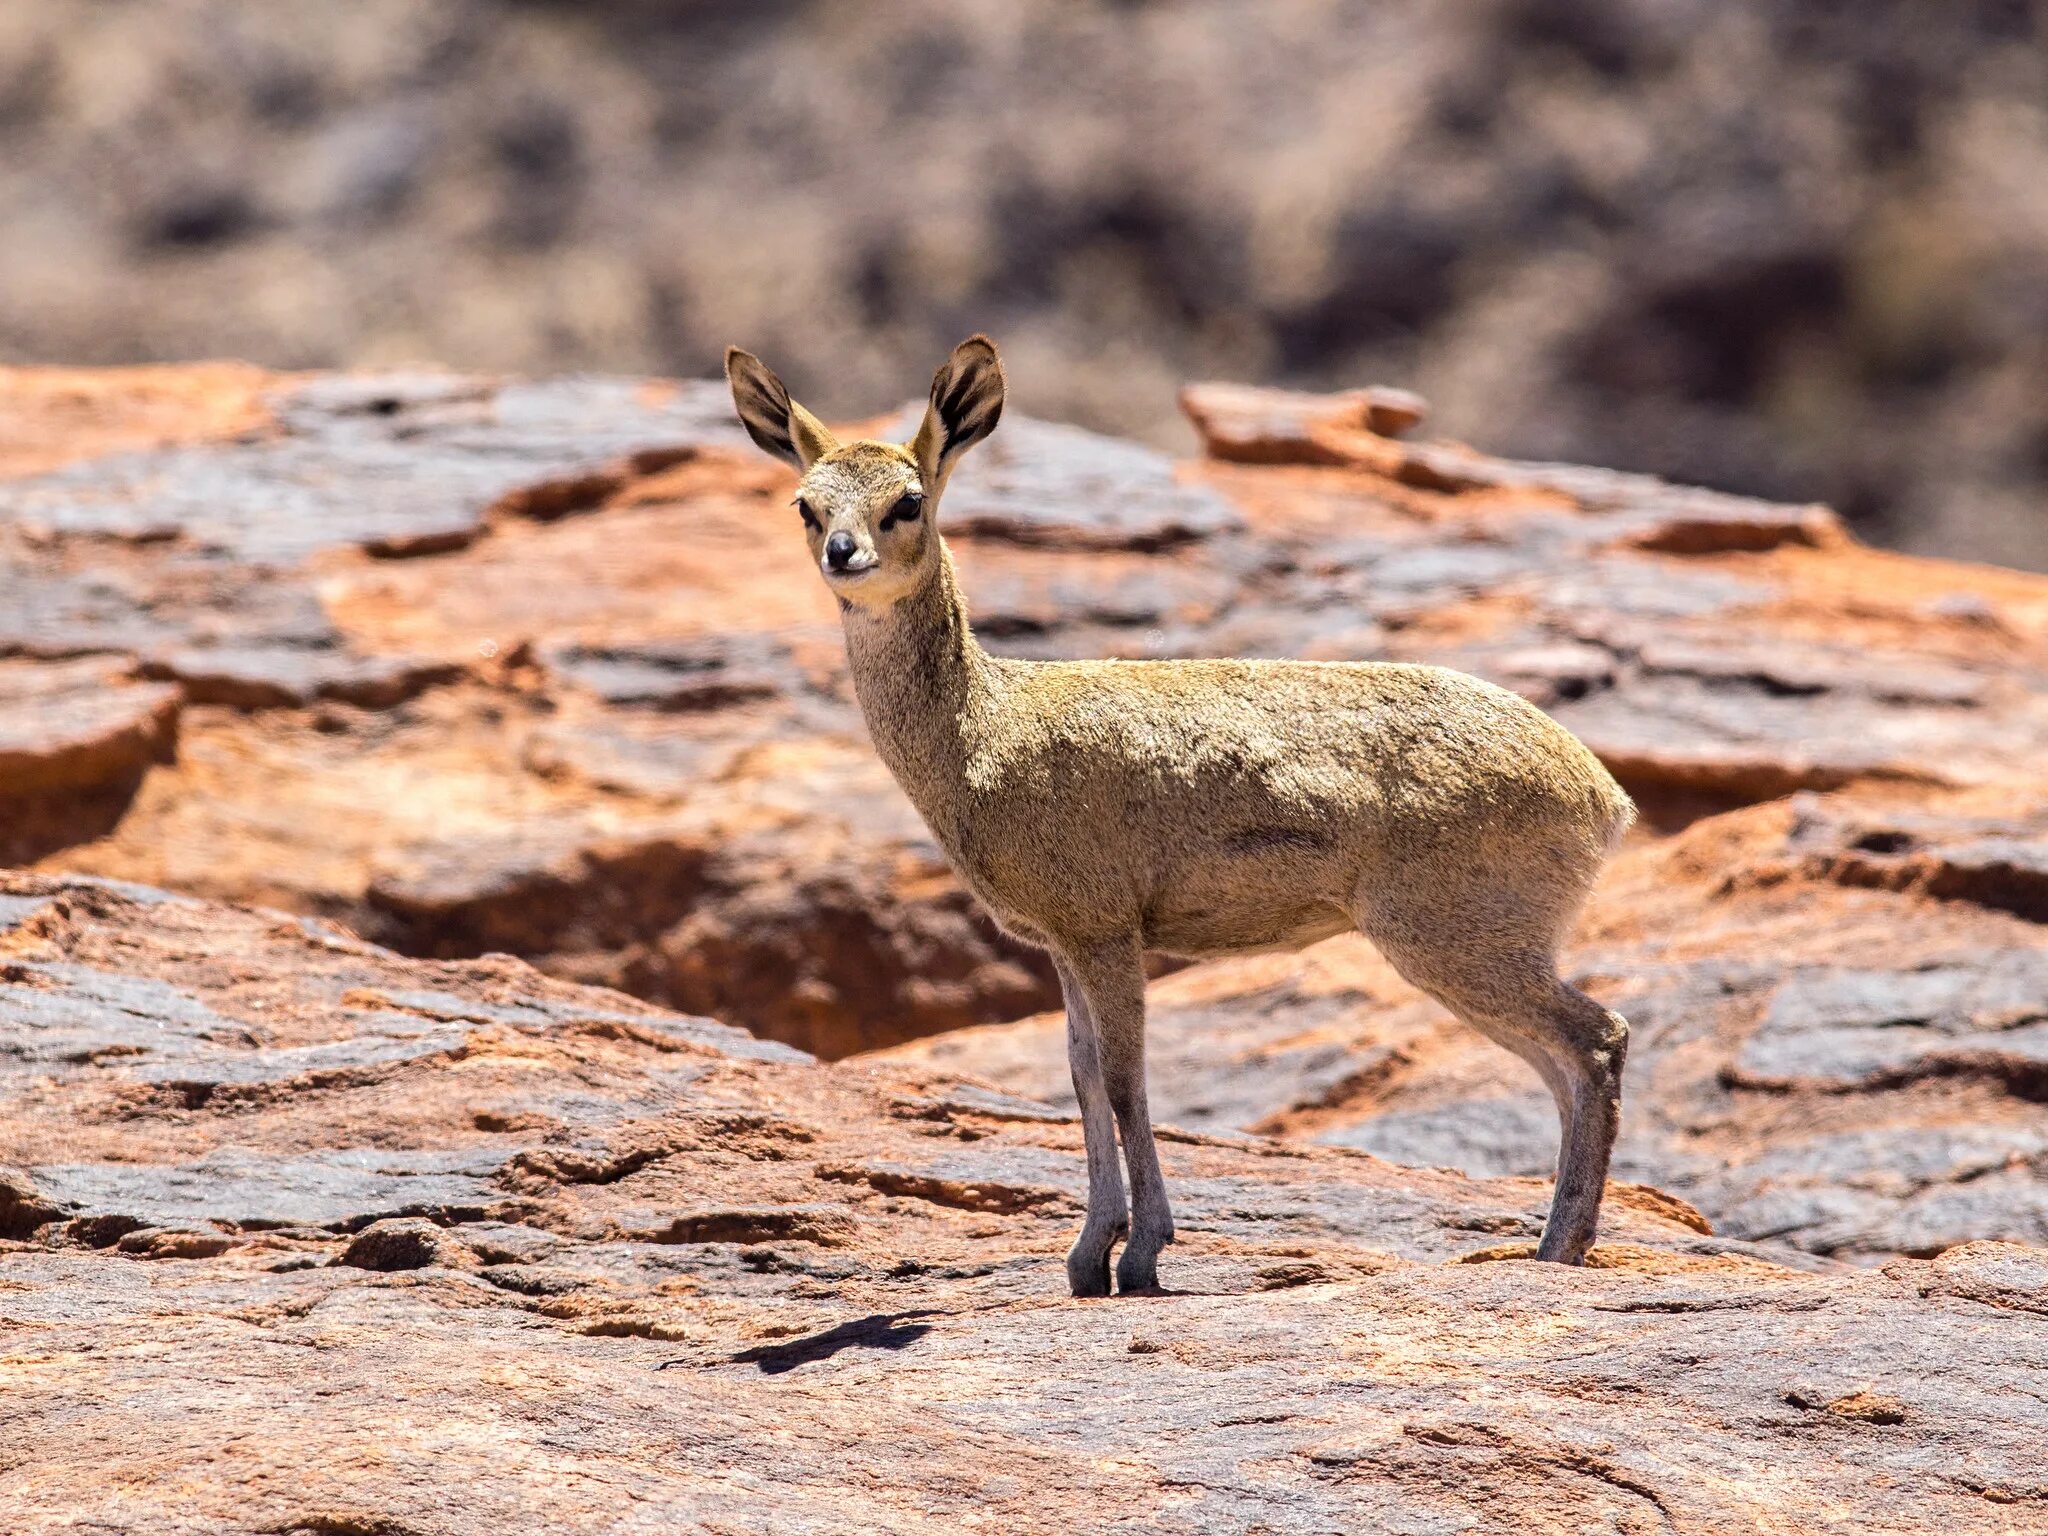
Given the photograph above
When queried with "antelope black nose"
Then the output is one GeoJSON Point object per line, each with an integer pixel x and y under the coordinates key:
{"type": "Point", "coordinates": [840, 550]}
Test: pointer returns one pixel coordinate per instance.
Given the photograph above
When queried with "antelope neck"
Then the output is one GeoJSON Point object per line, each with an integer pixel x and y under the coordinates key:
{"type": "Point", "coordinates": [917, 670]}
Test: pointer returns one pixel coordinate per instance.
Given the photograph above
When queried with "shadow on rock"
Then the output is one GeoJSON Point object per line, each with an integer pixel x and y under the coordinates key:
{"type": "Point", "coordinates": [878, 1330]}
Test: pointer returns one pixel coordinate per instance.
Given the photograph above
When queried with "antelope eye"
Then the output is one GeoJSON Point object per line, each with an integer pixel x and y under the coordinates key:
{"type": "Point", "coordinates": [810, 518]}
{"type": "Point", "coordinates": [908, 509]}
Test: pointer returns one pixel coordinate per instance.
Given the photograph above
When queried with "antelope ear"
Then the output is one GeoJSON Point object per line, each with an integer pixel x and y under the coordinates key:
{"type": "Point", "coordinates": [774, 421]}
{"type": "Point", "coordinates": [967, 401]}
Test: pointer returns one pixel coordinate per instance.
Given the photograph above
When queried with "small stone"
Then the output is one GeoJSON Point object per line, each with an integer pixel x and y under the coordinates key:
{"type": "Point", "coordinates": [405, 1242]}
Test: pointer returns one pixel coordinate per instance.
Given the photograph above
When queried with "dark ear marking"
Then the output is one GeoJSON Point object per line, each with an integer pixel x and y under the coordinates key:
{"type": "Point", "coordinates": [967, 393]}
{"type": "Point", "coordinates": [762, 403]}
{"type": "Point", "coordinates": [966, 403]}
{"type": "Point", "coordinates": [774, 421]}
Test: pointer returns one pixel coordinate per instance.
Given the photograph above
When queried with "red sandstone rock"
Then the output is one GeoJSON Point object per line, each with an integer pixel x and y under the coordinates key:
{"type": "Point", "coordinates": [1251, 425]}
{"type": "Point", "coordinates": [75, 741]}
{"type": "Point", "coordinates": [50, 417]}
{"type": "Point", "coordinates": [537, 667]}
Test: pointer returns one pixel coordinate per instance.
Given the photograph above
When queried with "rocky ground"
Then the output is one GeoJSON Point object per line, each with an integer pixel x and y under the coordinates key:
{"type": "Point", "coordinates": [315, 1239]}
{"type": "Point", "coordinates": [477, 668]}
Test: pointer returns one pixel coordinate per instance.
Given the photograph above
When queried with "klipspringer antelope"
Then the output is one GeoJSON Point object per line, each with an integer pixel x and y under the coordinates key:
{"type": "Point", "coordinates": [1100, 809]}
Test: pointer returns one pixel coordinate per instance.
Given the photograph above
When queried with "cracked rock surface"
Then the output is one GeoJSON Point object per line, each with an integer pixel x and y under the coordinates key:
{"type": "Point", "coordinates": [473, 665]}
{"type": "Point", "coordinates": [299, 1235]}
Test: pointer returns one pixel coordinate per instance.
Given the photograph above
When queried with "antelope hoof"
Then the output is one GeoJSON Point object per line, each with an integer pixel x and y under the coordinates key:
{"type": "Point", "coordinates": [1557, 1248]}
{"type": "Point", "coordinates": [1137, 1267]}
{"type": "Point", "coordinates": [1088, 1262]}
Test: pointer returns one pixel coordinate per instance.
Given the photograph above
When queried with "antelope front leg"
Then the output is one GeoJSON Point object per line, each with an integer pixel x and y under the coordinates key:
{"type": "Point", "coordinates": [1108, 1215]}
{"type": "Point", "coordinates": [1112, 979]}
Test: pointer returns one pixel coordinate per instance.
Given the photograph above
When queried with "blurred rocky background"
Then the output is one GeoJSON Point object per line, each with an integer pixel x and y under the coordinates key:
{"type": "Point", "coordinates": [1791, 249]}
{"type": "Point", "coordinates": [523, 679]}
